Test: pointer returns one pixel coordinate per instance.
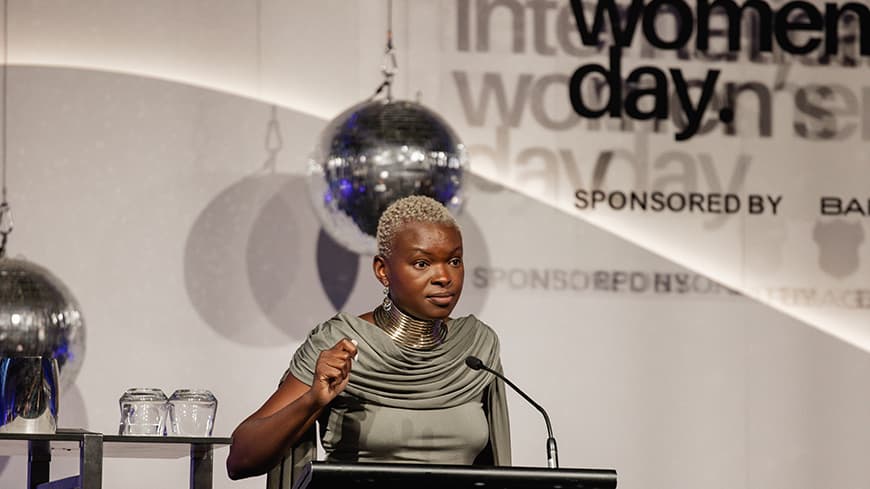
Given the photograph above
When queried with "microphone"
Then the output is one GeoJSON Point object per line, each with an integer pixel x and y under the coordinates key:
{"type": "Point", "coordinates": [475, 363]}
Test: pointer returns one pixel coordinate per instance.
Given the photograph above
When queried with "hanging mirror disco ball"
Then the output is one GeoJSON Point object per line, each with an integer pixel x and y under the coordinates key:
{"type": "Point", "coordinates": [375, 153]}
{"type": "Point", "coordinates": [40, 317]}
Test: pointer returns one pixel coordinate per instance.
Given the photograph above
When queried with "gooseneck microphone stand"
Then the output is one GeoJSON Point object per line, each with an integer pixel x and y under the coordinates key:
{"type": "Point", "coordinates": [552, 452]}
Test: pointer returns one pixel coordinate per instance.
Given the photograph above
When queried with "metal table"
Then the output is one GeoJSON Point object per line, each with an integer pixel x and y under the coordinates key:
{"type": "Point", "coordinates": [199, 449]}
{"type": "Point", "coordinates": [92, 448]}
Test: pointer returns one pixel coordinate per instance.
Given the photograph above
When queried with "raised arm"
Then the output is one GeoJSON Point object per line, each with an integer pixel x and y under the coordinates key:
{"type": "Point", "coordinates": [266, 436]}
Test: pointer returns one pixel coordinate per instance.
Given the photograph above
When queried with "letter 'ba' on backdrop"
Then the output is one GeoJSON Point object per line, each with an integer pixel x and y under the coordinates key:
{"type": "Point", "coordinates": [681, 275]}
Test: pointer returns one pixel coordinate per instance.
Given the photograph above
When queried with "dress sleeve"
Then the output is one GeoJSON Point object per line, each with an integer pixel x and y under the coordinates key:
{"type": "Point", "coordinates": [305, 358]}
{"type": "Point", "coordinates": [499, 423]}
{"type": "Point", "coordinates": [498, 450]}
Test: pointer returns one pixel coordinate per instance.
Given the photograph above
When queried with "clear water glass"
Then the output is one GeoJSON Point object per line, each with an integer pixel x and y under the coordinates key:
{"type": "Point", "coordinates": [143, 412]}
{"type": "Point", "coordinates": [192, 412]}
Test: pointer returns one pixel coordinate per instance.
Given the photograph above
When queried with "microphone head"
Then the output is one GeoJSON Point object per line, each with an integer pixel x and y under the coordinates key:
{"type": "Point", "coordinates": [473, 362]}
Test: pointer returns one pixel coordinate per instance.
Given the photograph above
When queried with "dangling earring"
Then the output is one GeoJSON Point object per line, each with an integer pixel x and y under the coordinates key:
{"type": "Point", "coordinates": [388, 304]}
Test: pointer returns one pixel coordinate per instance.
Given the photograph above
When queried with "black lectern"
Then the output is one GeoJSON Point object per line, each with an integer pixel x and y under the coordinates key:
{"type": "Point", "coordinates": [321, 475]}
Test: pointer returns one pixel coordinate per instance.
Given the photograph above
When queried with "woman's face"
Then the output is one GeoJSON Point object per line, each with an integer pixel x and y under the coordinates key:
{"type": "Point", "coordinates": [425, 270]}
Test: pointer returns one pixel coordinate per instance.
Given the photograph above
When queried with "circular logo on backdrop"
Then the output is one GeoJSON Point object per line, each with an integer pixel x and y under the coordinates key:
{"type": "Point", "coordinates": [246, 257]}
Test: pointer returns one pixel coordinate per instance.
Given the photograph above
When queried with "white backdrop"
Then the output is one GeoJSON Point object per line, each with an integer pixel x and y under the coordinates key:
{"type": "Point", "coordinates": [141, 174]}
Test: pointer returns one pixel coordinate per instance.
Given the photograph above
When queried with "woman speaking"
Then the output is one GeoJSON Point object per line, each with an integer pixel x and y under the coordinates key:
{"type": "Point", "coordinates": [390, 385]}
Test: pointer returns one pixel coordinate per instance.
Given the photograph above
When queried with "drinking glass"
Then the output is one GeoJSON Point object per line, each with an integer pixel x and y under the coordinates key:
{"type": "Point", "coordinates": [143, 412]}
{"type": "Point", "coordinates": [192, 412]}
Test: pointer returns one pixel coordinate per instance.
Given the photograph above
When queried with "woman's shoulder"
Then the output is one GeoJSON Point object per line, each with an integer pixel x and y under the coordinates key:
{"type": "Point", "coordinates": [473, 321]}
{"type": "Point", "coordinates": [342, 325]}
{"type": "Point", "coordinates": [322, 337]}
{"type": "Point", "coordinates": [472, 324]}
{"type": "Point", "coordinates": [340, 320]}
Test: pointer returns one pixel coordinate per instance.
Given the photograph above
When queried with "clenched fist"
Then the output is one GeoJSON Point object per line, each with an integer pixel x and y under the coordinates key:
{"type": "Point", "coordinates": [332, 371]}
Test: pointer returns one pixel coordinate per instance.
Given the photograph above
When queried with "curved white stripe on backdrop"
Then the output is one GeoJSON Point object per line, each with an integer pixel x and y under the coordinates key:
{"type": "Point", "coordinates": [304, 55]}
{"type": "Point", "coordinates": [321, 57]}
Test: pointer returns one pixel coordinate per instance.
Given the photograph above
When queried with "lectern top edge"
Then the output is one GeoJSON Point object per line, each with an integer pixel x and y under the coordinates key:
{"type": "Point", "coordinates": [367, 475]}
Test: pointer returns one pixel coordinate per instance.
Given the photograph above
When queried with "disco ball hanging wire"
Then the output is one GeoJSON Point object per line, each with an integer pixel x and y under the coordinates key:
{"type": "Point", "coordinates": [379, 151]}
{"type": "Point", "coordinates": [39, 317]}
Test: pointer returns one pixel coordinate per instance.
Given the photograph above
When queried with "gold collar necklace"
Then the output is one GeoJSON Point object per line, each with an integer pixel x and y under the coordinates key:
{"type": "Point", "coordinates": [410, 331]}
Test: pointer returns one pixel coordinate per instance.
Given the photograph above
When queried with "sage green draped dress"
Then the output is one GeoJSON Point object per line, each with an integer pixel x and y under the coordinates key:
{"type": "Point", "coordinates": [409, 405]}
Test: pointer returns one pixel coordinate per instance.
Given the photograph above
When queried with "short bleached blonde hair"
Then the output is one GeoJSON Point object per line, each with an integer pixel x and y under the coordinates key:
{"type": "Point", "coordinates": [414, 208]}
